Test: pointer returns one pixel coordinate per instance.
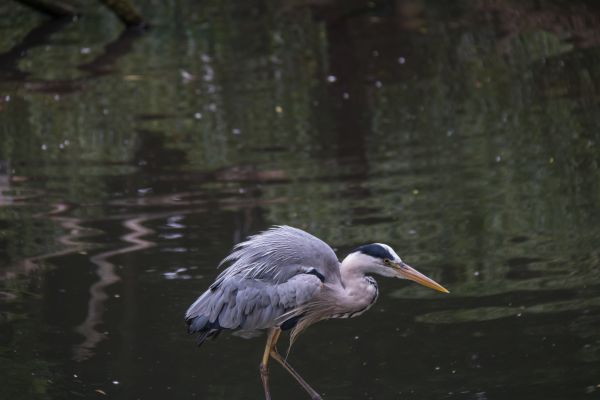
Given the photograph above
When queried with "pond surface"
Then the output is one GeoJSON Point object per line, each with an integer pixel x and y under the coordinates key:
{"type": "Point", "coordinates": [466, 136]}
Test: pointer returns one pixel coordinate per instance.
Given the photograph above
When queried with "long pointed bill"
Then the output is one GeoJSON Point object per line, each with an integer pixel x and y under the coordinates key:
{"type": "Point", "coordinates": [407, 272]}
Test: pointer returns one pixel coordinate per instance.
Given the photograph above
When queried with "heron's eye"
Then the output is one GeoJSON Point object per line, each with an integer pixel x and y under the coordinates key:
{"type": "Point", "coordinates": [387, 261]}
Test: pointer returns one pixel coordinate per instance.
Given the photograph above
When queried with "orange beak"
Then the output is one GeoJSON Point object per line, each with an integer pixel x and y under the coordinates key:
{"type": "Point", "coordinates": [405, 271]}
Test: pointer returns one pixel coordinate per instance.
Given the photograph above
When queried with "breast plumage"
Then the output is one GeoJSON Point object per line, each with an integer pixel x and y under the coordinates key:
{"type": "Point", "coordinates": [366, 294]}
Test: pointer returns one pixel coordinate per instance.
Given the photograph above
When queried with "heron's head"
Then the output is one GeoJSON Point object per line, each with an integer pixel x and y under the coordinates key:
{"type": "Point", "coordinates": [381, 259]}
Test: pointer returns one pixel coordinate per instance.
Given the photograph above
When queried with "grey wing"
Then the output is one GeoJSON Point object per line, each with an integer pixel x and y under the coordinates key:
{"type": "Point", "coordinates": [269, 275]}
{"type": "Point", "coordinates": [248, 304]}
{"type": "Point", "coordinates": [280, 253]}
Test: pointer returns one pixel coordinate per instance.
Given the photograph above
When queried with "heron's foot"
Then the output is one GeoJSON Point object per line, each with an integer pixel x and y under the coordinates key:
{"type": "Point", "coordinates": [264, 364]}
{"type": "Point", "coordinates": [311, 392]}
{"type": "Point", "coordinates": [264, 377]}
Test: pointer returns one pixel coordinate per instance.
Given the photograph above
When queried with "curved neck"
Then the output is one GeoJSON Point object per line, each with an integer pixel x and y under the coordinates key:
{"type": "Point", "coordinates": [356, 266]}
{"type": "Point", "coordinates": [359, 292]}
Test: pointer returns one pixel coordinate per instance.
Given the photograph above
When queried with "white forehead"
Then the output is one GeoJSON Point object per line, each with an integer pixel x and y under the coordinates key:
{"type": "Point", "coordinates": [392, 252]}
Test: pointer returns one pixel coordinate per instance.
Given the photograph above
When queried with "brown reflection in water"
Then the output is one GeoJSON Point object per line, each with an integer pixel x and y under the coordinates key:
{"type": "Point", "coordinates": [107, 276]}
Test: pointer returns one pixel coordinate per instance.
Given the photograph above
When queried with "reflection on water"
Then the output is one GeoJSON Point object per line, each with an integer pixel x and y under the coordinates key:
{"type": "Point", "coordinates": [464, 134]}
{"type": "Point", "coordinates": [106, 277]}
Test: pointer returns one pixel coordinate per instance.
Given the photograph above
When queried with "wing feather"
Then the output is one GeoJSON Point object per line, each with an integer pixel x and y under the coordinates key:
{"type": "Point", "coordinates": [249, 304]}
{"type": "Point", "coordinates": [278, 254]}
{"type": "Point", "coordinates": [270, 275]}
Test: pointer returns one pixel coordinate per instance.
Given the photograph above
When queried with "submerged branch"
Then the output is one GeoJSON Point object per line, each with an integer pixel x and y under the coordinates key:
{"type": "Point", "coordinates": [125, 10]}
{"type": "Point", "coordinates": [52, 8]}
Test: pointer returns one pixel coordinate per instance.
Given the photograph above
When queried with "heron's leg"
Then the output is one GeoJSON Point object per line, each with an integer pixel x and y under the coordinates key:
{"type": "Point", "coordinates": [264, 363]}
{"type": "Point", "coordinates": [312, 392]}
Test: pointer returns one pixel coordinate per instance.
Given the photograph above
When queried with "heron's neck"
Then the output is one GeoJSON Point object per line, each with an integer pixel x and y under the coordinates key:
{"type": "Point", "coordinates": [355, 267]}
{"type": "Point", "coordinates": [359, 291]}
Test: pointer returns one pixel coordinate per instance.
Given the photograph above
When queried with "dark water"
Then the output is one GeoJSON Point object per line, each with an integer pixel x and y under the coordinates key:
{"type": "Point", "coordinates": [464, 134]}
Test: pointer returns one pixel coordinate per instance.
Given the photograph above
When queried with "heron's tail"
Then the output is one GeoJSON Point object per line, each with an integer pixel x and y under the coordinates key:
{"type": "Point", "coordinates": [203, 327]}
{"type": "Point", "coordinates": [197, 320]}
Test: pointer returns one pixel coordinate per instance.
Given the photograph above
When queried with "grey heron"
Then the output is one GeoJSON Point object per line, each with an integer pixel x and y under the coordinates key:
{"type": "Point", "coordinates": [285, 279]}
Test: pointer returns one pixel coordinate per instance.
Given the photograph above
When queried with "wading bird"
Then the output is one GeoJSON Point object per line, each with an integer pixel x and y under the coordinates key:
{"type": "Point", "coordinates": [287, 279]}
